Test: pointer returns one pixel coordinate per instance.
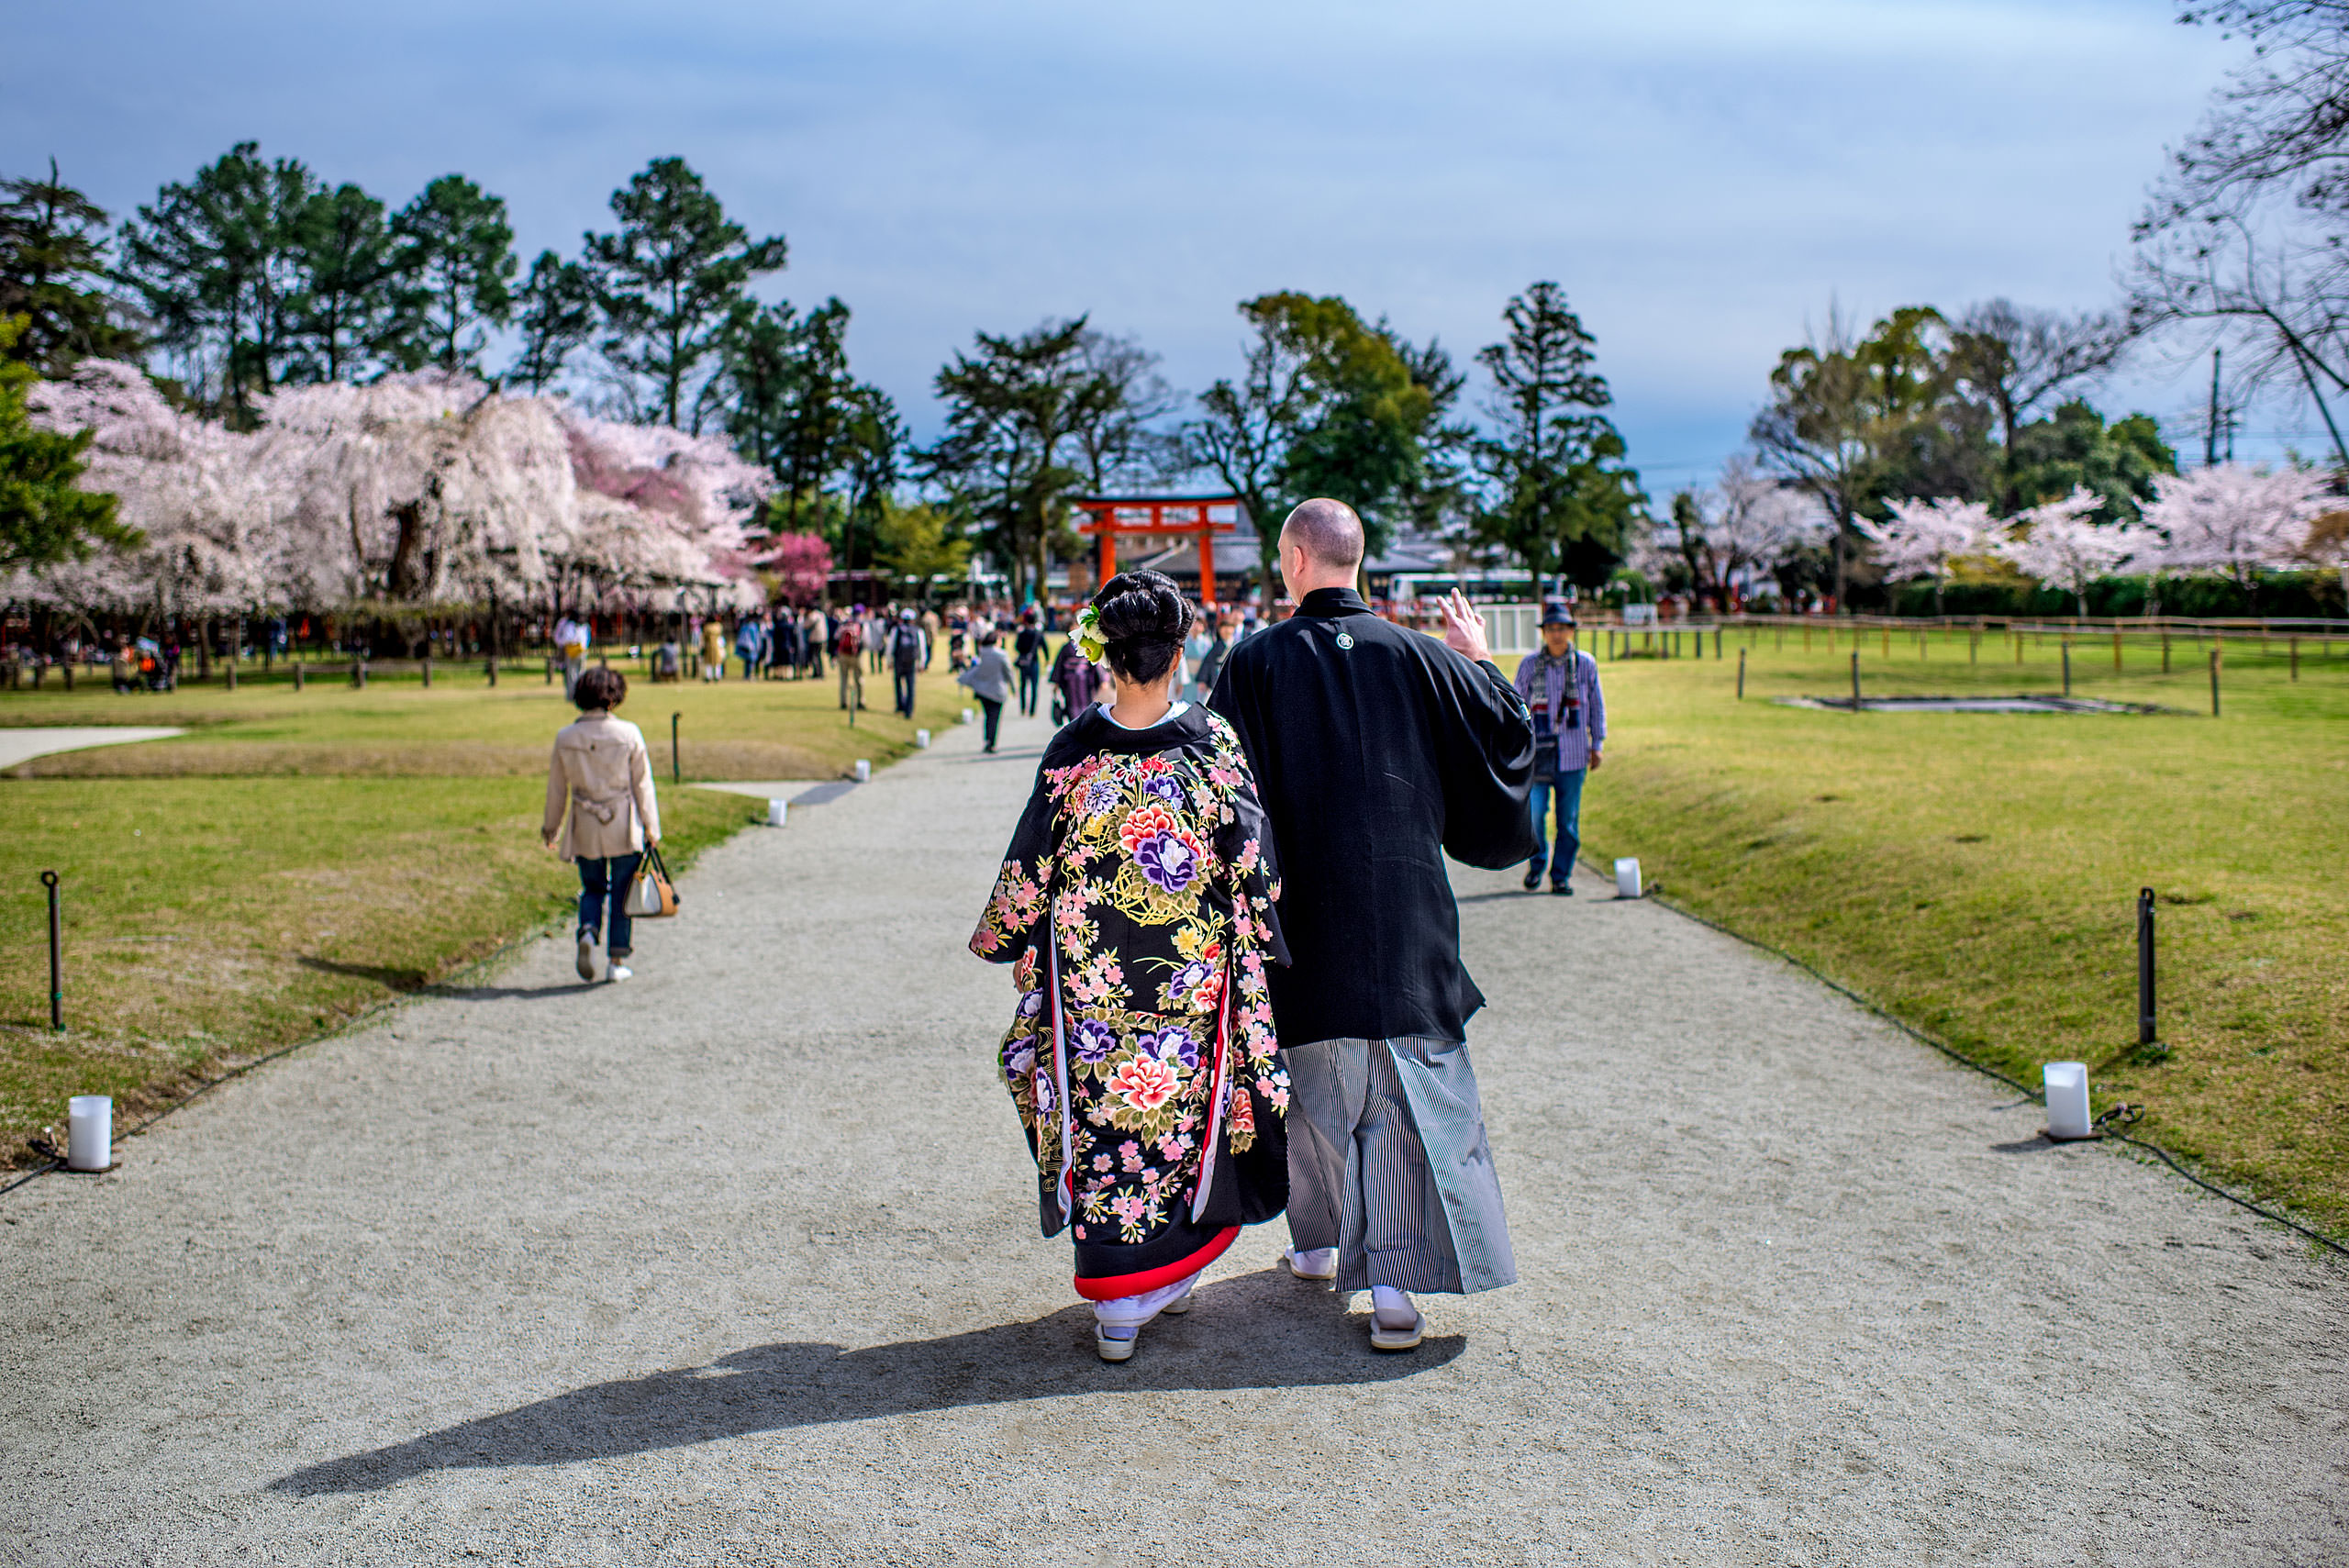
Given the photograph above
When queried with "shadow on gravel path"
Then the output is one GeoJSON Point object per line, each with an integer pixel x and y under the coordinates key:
{"type": "Point", "coordinates": [1244, 1333]}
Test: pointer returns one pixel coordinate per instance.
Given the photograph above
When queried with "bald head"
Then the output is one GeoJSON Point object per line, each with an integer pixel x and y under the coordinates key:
{"type": "Point", "coordinates": [1320, 546]}
{"type": "Point", "coordinates": [1328, 531]}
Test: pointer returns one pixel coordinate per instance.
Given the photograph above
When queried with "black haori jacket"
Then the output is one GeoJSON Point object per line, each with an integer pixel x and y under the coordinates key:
{"type": "Point", "coordinates": [1376, 750]}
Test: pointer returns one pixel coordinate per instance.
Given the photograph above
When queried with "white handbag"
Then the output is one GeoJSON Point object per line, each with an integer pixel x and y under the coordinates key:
{"type": "Point", "coordinates": [651, 896]}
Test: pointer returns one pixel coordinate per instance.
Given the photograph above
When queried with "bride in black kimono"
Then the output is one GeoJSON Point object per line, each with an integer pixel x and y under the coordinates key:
{"type": "Point", "coordinates": [1141, 1055]}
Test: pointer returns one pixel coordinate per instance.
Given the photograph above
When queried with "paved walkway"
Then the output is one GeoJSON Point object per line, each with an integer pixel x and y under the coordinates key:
{"type": "Point", "coordinates": [23, 745]}
{"type": "Point", "coordinates": [737, 1264]}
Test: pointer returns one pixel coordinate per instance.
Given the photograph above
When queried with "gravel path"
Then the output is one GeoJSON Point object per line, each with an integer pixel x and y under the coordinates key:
{"type": "Point", "coordinates": [737, 1264]}
{"type": "Point", "coordinates": [23, 745]}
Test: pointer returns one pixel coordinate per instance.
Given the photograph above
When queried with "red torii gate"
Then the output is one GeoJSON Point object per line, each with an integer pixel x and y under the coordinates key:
{"type": "Point", "coordinates": [1160, 516]}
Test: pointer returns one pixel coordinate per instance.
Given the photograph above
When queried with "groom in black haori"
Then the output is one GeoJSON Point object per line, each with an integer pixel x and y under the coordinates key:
{"type": "Point", "coordinates": [1377, 751]}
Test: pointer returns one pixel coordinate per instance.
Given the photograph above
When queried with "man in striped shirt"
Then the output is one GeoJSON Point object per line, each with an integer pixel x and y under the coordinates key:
{"type": "Point", "coordinates": [1559, 683]}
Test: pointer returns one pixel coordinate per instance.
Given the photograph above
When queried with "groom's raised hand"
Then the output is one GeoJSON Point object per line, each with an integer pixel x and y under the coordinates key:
{"type": "Point", "coordinates": [1464, 628]}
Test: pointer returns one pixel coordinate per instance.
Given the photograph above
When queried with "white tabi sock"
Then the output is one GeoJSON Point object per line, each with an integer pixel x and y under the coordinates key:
{"type": "Point", "coordinates": [1392, 1307]}
{"type": "Point", "coordinates": [1127, 1313]}
{"type": "Point", "coordinates": [1315, 1260]}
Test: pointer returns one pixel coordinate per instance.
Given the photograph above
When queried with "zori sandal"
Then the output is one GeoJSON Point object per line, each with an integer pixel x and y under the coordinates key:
{"type": "Point", "coordinates": [1383, 1338]}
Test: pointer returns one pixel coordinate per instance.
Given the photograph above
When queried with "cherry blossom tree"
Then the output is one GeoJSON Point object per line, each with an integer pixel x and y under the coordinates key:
{"type": "Point", "coordinates": [2234, 519]}
{"type": "Point", "coordinates": [801, 565]}
{"type": "Point", "coordinates": [1732, 538]}
{"type": "Point", "coordinates": [193, 489]}
{"type": "Point", "coordinates": [2059, 546]}
{"type": "Point", "coordinates": [415, 491]}
{"type": "Point", "coordinates": [1756, 524]}
{"type": "Point", "coordinates": [1922, 537]}
{"type": "Point", "coordinates": [664, 510]}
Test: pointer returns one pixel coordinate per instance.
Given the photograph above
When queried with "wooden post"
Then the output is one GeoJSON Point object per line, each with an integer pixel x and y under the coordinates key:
{"type": "Point", "coordinates": [2296, 658]}
{"type": "Point", "coordinates": [2164, 650]}
{"type": "Point", "coordinates": [2214, 683]}
{"type": "Point", "coordinates": [489, 667]}
{"type": "Point", "coordinates": [428, 672]}
{"type": "Point", "coordinates": [1855, 680]}
{"type": "Point", "coordinates": [2116, 651]}
{"type": "Point", "coordinates": [359, 672]}
{"type": "Point", "coordinates": [297, 674]}
{"type": "Point", "coordinates": [1741, 674]}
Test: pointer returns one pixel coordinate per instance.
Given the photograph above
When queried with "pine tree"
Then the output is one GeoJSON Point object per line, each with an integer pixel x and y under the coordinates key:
{"type": "Point", "coordinates": [53, 272]}
{"type": "Point", "coordinates": [1556, 463]}
{"type": "Point", "coordinates": [457, 262]}
{"type": "Point", "coordinates": [558, 317]}
{"type": "Point", "coordinates": [45, 518]}
{"type": "Point", "coordinates": [348, 301]}
{"type": "Point", "coordinates": [669, 279]}
{"type": "Point", "coordinates": [217, 261]}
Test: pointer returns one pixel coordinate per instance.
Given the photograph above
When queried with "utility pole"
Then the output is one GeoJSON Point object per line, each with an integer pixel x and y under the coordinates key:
{"type": "Point", "coordinates": [2211, 438]}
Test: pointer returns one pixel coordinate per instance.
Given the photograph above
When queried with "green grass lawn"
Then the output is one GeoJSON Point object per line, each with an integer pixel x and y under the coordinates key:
{"type": "Point", "coordinates": [300, 856]}
{"type": "Point", "coordinates": [1976, 874]}
{"type": "Point", "coordinates": [729, 730]}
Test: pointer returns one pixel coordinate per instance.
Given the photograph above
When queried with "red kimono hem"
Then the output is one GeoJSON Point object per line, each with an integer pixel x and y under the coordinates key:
{"type": "Point", "coordinates": [1110, 1287]}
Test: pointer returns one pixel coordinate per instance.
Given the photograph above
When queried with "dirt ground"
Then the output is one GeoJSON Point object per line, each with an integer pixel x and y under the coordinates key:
{"type": "Point", "coordinates": [737, 1264]}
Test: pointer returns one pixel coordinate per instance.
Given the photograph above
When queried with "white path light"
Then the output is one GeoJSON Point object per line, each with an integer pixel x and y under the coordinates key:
{"type": "Point", "coordinates": [2067, 1098]}
{"type": "Point", "coordinates": [967, 717]}
{"type": "Point", "coordinates": [922, 739]}
{"type": "Point", "coordinates": [1627, 878]}
{"type": "Point", "coordinates": [89, 1132]}
{"type": "Point", "coordinates": [864, 770]}
{"type": "Point", "coordinates": [778, 813]}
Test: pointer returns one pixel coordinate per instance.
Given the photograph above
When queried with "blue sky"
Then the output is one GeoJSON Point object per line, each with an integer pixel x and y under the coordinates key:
{"type": "Point", "coordinates": [1702, 176]}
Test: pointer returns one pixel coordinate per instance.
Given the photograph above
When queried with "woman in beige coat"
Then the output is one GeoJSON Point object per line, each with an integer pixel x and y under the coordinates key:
{"type": "Point", "coordinates": [601, 780]}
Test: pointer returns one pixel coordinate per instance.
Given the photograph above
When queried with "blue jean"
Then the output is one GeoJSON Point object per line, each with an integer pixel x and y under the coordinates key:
{"type": "Point", "coordinates": [602, 880]}
{"type": "Point", "coordinates": [1567, 792]}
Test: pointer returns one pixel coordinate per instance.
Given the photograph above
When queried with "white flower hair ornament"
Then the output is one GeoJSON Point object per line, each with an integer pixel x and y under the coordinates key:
{"type": "Point", "coordinates": [1088, 634]}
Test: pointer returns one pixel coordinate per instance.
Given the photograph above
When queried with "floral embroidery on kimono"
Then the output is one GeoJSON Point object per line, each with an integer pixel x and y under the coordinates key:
{"type": "Point", "coordinates": [1144, 878]}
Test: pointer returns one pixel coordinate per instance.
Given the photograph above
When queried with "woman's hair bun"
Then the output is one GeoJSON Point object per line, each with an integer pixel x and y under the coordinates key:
{"type": "Point", "coordinates": [1144, 619]}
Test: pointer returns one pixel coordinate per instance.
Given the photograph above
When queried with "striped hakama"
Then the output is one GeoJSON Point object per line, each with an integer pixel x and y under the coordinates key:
{"type": "Point", "coordinates": [1388, 1163]}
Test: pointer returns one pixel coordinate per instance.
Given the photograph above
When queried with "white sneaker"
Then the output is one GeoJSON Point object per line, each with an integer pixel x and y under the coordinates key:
{"type": "Point", "coordinates": [587, 957]}
{"type": "Point", "coordinates": [619, 972]}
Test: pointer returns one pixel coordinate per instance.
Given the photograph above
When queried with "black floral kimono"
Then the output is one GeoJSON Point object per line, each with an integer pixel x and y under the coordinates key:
{"type": "Point", "coordinates": [1148, 1018]}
